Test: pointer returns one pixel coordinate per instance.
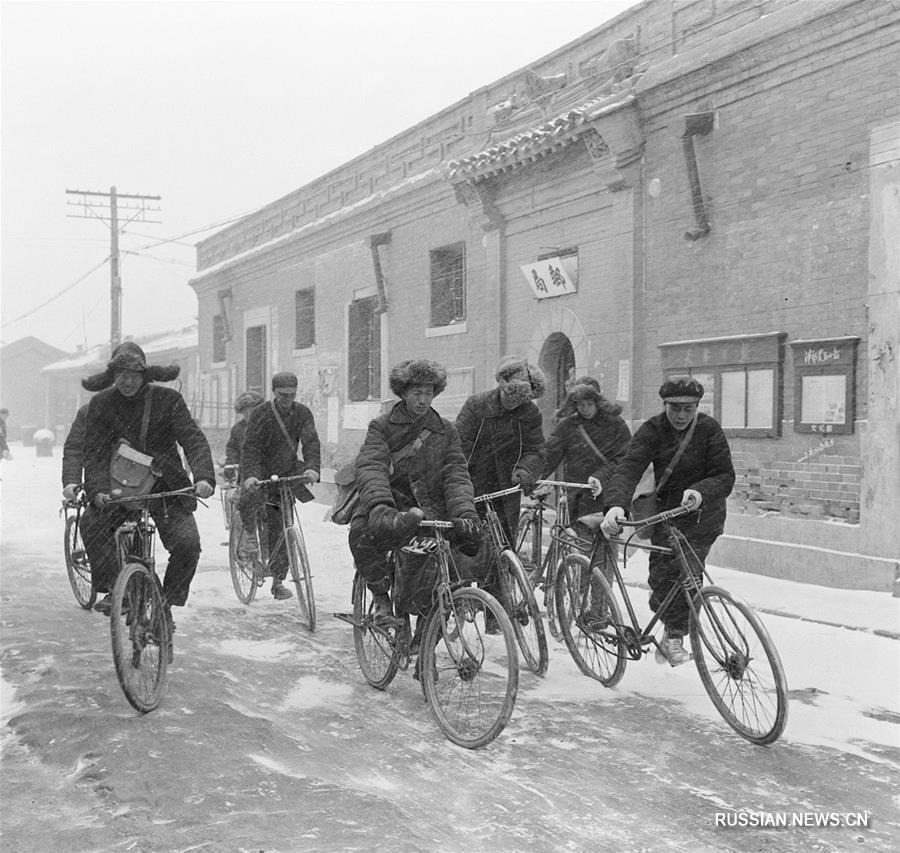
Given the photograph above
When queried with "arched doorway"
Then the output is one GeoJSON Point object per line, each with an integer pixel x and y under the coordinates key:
{"type": "Point", "coordinates": [557, 360]}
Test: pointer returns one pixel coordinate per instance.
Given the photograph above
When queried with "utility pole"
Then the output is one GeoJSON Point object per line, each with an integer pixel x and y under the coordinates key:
{"type": "Point", "coordinates": [105, 207]}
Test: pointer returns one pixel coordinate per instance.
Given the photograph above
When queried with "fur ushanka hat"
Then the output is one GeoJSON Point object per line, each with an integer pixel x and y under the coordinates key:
{"type": "Point", "coordinates": [519, 380]}
{"type": "Point", "coordinates": [129, 356]}
{"type": "Point", "coordinates": [417, 371]}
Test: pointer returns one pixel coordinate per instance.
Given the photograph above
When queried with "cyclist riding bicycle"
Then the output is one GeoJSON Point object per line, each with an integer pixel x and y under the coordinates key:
{"type": "Point", "coordinates": [277, 433]}
{"type": "Point", "coordinates": [244, 404]}
{"type": "Point", "coordinates": [130, 405]}
{"type": "Point", "coordinates": [702, 476]}
{"type": "Point", "coordinates": [409, 467]}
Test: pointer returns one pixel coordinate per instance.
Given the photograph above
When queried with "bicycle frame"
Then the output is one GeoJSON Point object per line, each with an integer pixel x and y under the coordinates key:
{"type": "Point", "coordinates": [635, 637]}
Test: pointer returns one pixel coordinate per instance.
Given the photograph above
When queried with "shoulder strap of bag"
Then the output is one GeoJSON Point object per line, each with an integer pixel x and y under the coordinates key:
{"type": "Point", "coordinates": [284, 431]}
{"type": "Point", "coordinates": [587, 438]}
{"type": "Point", "coordinates": [409, 449]}
{"type": "Point", "coordinates": [681, 448]}
{"type": "Point", "coordinates": [145, 420]}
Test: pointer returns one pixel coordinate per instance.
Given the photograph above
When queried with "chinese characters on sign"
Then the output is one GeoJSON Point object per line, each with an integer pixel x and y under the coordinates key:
{"type": "Point", "coordinates": [551, 277]}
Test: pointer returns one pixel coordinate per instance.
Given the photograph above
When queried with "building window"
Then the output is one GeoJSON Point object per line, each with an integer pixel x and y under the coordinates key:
{"type": "Point", "coordinates": [304, 318]}
{"type": "Point", "coordinates": [824, 385]}
{"type": "Point", "coordinates": [742, 379]}
{"type": "Point", "coordinates": [364, 354]}
{"type": "Point", "coordinates": [448, 285]}
{"type": "Point", "coordinates": [219, 339]}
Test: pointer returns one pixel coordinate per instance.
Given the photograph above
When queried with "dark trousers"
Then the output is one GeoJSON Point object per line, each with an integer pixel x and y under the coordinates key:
{"type": "Point", "coordinates": [664, 572]}
{"type": "Point", "coordinates": [250, 506]}
{"type": "Point", "coordinates": [177, 531]}
{"type": "Point", "coordinates": [370, 553]}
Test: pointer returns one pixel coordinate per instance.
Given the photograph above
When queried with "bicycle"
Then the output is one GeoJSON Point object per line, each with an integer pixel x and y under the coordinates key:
{"type": "Point", "coordinates": [78, 566]}
{"type": "Point", "coordinates": [139, 622]}
{"type": "Point", "coordinates": [542, 565]}
{"type": "Point", "coordinates": [734, 654]}
{"type": "Point", "coordinates": [247, 575]}
{"type": "Point", "coordinates": [516, 591]}
{"type": "Point", "coordinates": [469, 678]}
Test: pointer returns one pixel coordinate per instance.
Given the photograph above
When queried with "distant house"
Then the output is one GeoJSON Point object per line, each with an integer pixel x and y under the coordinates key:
{"type": "Point", "coordinates": [21, 389]}
{"type": "Point", "coordinates": [62, 378]}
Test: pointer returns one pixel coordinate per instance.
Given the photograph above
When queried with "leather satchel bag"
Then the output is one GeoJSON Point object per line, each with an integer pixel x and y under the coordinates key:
{"type": "Point", "coordinates": [131, 472]}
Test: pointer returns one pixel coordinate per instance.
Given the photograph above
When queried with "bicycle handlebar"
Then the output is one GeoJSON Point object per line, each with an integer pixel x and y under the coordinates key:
{"type": "Point", "coordinates": [435, 523]}
{"type": "Point", "coordinates": [187, 490]}
{"type": "Point", "coordinates": [665, 515]}
{"type": "Point", "coordinates": [274, 480]}
{"type": "Point", "coordinates": [562, 483]}
{"type": "Point", "coordinates": [502, 493]}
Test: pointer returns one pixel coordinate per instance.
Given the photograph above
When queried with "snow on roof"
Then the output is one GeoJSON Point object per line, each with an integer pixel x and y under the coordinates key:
{"type": "Point", "coordinates": [97, 355]}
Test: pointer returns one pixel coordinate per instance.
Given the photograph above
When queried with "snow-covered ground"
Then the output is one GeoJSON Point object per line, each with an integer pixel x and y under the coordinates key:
{"type": "Point", "coordinates": [844, 686]}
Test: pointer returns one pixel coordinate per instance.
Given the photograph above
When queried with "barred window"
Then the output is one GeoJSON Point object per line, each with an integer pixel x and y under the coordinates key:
{"type": "Point", "coordinates": [364, 351]}
{"type": "Point", "coordinates": [448, 285]}
{"type": "Point", "coordinates": [304, 318]}
{"type": "Point", "coordinates": [218, 342]}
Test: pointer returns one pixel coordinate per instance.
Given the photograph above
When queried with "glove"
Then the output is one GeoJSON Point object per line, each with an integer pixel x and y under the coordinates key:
{"type": "Point", "coordinates": [596, 486]}
{"type": "Point", "coordinates": [610, 524]}
{"type": "Point", "coordinates": [203, 489]}
{"type": "Point", "coordinates": [393, 524]}
{"type": "Point", "coordinates": [310, 476]}
{"type": "Point", "coordinates": [467, 535]}
{"type": "Point", "coordinates": [691, 499]}
{"type": "Point", "coordinates": [251, 484]}
{"type": "Point", "coordinates": [523, 478]}
{"type": "Point", "coordinates": [70, 492]}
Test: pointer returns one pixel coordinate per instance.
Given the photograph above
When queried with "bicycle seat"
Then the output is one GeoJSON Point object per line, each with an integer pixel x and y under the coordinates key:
{"type": "Point", "coordinates": [592, 522]}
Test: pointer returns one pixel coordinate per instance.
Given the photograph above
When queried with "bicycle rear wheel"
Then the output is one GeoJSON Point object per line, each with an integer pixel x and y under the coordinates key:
{"type": "Point", "coordinates": [141, 636]}
{"type": "Point", "coordinates": [470, 678]}
{"type": "Point", "coordinates": [301, 575]}
{"type": "Point", "coordinates": [518, 597]}
{"type": "Point", "coordinates": [376, 646]}
{"type": "Point", "coordinates": [739, 666]}
{"type": "Point", "coordinates": [588, 615]}
{"type": "Point", "coordinates": [243, 576]}
{"type": "Point", "coordinates": [78, 567]}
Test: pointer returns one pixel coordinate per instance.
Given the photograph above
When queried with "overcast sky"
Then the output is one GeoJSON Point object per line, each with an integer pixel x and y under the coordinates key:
{"type": "Point", "coordinates": [220, 108]}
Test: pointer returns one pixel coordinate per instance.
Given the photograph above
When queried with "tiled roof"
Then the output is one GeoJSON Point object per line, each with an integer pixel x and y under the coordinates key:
{"type": "Point", "coordinates": [536, 142]}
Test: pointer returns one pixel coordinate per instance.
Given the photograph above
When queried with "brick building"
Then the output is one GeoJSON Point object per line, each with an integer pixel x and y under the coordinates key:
{"type": "Point", "coordinates": [693, 187]}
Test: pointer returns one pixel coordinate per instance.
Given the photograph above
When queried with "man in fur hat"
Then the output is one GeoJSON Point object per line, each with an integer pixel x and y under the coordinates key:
{"type": "Point", "coordinates": [117, 411]}
{"type": "Point", "coordinates": [409, 467]}
{"type": "Point", "coordinates": [280, 439]}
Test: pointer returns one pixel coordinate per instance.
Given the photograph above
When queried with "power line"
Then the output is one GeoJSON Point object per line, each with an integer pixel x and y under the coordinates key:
{"type": "Point", "coordinates": [56, 296]}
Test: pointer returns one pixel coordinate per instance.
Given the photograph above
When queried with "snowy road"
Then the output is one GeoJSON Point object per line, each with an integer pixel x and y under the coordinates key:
{"type": "Point", "coordinates": [270, 740]}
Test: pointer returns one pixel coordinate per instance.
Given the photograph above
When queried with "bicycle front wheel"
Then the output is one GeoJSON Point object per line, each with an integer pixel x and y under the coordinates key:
{"type": "Point", "coordinates": [588, 614]}
{"type": "Point", "coordinates": [141, 637]}
{"type": "Point", "coordinates": [528, 544]}
{"type": "Point", "coordinates": [78, 567]}
{"type": "Point", "coordinates": [301, 576]}
{"type": "Point", "coordinates": [739, 666]}
{"type": "Point", "coordinates": [376, 646]}
{"type": "Point", "coordinates": [243, 576]}
{"type": "Point", "coordinates": [470, 678]}
{"type": "Point", "coordinates": [518, 596]}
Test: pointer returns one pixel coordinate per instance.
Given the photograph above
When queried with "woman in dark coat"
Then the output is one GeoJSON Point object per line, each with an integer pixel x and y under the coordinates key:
{"type": "Point", "coordinates": [409, 467]}
{"type": "Point", "coordinates": [501, 435]}
{"type": "Point", "coordinates": [587, 417]}
{"type": "Point", "coordinates": [702, 478]}
{"type": "Point", "coordinates": [116, 412]}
